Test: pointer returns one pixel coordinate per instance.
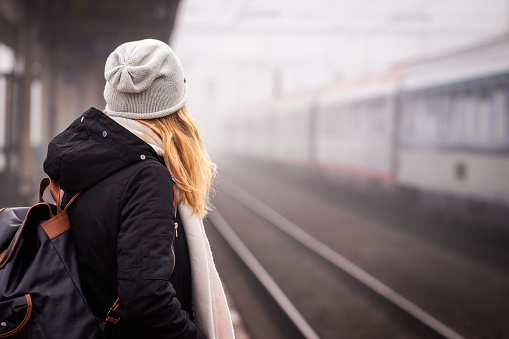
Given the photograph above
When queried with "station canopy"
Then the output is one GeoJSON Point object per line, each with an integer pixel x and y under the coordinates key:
{"type": "Point", "coordinates": [89, 28]}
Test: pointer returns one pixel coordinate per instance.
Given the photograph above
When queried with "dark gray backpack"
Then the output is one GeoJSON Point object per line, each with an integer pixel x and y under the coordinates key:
{"type": "Point", "coordinates": [40, 291]}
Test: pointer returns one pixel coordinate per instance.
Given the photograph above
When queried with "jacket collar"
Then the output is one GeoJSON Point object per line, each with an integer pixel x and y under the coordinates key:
{"type": "Point", "coordinates": [143, 132]}
{"type": "Point", "coordinates": [93, 147]}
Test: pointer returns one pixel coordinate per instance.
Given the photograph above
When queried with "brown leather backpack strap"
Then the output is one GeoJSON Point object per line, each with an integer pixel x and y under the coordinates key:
{"type": "Point", "coordinates": [70, 201]}
{"type": "Point", "coordinates": [113, 316]}
{"type": "Point", "coordinates": [54, 189]}
{"type": "Point", "coordinates": [58, 223]}
{"type": "Point", "coordinates": [42, 188]}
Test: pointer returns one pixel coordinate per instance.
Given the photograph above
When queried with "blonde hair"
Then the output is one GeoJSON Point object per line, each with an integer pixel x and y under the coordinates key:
{"type": "Point", "coordinates": [186, 158]}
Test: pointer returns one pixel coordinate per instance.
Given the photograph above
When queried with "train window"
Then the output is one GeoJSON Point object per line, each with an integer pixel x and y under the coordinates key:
{"type": "Point", "coordinates": [432, 115]}
{"type": "Point", "coordinates": [384, 113]}
{"type": "Point", "coordinates": [455, 120]}
{"type": "Point", "coordinates": [442, 111]}
{"type": "Point", "coordinates": [352, 118]}
{"type": "Point", "coordinates": [344, 120]}
{"type": "Point", "coordinates": [419, 117]}
{"type": "Point", "coordinates": [433, 118]}
{"type": "Point", "coordinates": [337, 122]}
{"type": "Point", "coordinates": [343, 128]}
{"type": "Point", "coordinates": [322, 119]}
{"type": "Point", "coordinates": [362, 115]}
{"type": "Point", "coordinates": [428, 118]}
{"type": "Point", "coordinates": [304, 122]}
{"type": "Point", "coordinates": [422, 118]}
{"type": "Point", "coordinates": [339, 119]}
{"type": "Point", "coordinates": [361, 118]}
{"type": "Point", "coordinates": [408, 112]}
{"type": "Point", "coordinates": [411, 116]}
{"type": "Point", "coordinates": [468, 106]}
{"type": "Point", "coordinates": [501, 113]}
{"type": "Point", "coordinates": [376, 110]}
{"type": "Point", "coordinates": [472, 115]}
{"type": "Point", "coordinates": [319, 119]}
{"type": "Point", "coordinates": [330, 120]}
{"type": "Point", "coordinates": [484, 114]}
{"type": "Point", "coordinates": [369, 115]}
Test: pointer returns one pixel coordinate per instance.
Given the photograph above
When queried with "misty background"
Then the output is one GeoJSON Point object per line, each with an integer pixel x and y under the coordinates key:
{"type": "Point", "coordinates": [239, 53]}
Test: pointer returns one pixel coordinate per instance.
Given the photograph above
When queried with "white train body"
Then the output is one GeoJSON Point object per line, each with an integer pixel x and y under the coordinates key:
{"type": "Point", "coordinates": [354, 127]}
{"type": "Point", "coordinates": [454, 135]}
{"type": "Point", "coordinates": [439, 125]}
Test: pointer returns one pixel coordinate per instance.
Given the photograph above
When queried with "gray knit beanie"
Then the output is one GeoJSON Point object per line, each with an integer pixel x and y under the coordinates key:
{"type": "Point", "coordinates": [144, 80]}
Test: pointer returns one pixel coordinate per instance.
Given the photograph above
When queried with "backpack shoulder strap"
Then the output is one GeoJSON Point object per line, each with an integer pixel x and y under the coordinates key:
{"type": "Point", "coordinates": [56, 193]}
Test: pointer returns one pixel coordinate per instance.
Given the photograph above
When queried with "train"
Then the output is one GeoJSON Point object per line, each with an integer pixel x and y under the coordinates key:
{"type": "Point", "coordinates": [438, 127]}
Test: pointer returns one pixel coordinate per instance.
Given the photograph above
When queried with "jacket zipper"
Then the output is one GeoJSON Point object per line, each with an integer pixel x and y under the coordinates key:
{"type": "Point", "coordinates": [174, 259]}
{"type": "Point", "coordinates": [176, 225]}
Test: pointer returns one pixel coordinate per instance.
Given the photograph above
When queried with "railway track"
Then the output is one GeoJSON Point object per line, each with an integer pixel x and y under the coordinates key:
{"type": "Point", "coordinates": [261, 315]}
{"type": "Point", "coordinates": [290, 311]}
{"type": "Point", "coordinates": [310, 289]}
{"type": "Point", "coordinates": [317, 248]}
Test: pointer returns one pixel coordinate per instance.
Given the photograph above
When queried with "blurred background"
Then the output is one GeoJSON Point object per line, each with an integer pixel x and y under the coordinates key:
{"type": "Point", "coordinates": [379, 128]}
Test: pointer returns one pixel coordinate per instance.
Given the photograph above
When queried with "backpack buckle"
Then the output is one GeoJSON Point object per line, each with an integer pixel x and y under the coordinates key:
{"type": "Point", "coordinates": [113, 316]}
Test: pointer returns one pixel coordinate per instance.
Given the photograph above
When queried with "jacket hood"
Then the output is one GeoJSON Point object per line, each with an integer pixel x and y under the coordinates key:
{"type": "Point", "coordinates": [92, 148]}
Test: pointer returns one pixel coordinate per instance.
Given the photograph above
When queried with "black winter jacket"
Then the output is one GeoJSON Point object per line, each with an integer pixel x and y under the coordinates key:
{"type": "Point", "coordinates": [123, 227]}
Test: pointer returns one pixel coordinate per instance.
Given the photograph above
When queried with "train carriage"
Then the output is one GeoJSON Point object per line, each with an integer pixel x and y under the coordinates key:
{"type": "Point", "coordinates": [438, 126]}
{"type": "Point", "coordinates": [355, 127]}
{"type": "Point", "coordinates": [454, 135]}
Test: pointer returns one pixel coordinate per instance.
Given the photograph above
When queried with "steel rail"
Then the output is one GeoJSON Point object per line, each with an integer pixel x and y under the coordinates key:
{"type": "Point", "coordinates": [262, 275]}
{"type": "Point", "coordinates": [338, 260]}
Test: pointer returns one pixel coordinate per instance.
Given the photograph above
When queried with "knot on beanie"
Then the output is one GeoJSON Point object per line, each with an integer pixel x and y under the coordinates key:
{"type": "Point", "coordinates": [144, 80]}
